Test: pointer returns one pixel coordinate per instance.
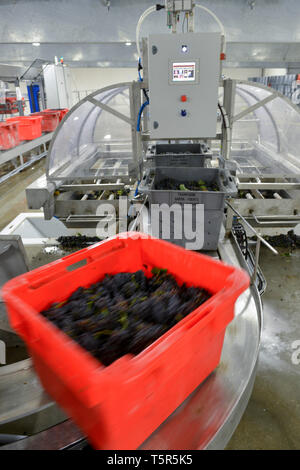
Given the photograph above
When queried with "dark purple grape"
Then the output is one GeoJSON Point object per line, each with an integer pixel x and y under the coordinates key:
{"type": "Point", "coordinates": [124, 313]}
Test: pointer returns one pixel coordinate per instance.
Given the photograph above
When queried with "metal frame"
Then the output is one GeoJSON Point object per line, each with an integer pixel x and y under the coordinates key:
{"type": "Point", "coordinates": [111, 110]}
{"type": "Point", "coordinates": [269, 114]}
{"type": "Point", "coordinates": [18, 152]}
{"type": "Point", "coordinates": [230, 86]}
{"type": "Point", "coordinates": [252, 108]}
{"type": "Point", "coordinates": [135, 99]}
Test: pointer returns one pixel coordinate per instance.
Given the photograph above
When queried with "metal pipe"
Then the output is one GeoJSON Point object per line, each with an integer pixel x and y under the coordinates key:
{"type": "Point", "coordinates": [253, 230]}
{"type": "Point", "coordinates": [257, 252]}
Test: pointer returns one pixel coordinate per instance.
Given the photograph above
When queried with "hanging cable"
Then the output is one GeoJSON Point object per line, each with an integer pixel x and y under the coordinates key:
{"type": "Point", "coordinates": [227, 129]}
{"type": "Point", "coordinates": [140, 67]}
{"type": "Point", "coordinates": [183, 22]}
{"type": "Point", "coordinates": [145, 94]}
{"type": "Point", "coordinates": [138, 127]}
{"type": "Point", "coordinates": [140, 22]}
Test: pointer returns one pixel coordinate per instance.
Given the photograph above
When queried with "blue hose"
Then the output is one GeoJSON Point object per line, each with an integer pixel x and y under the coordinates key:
{"type": "Point", "coordinates": [137, 189]}
{"type": "Point", "coordinates": [138, 127]}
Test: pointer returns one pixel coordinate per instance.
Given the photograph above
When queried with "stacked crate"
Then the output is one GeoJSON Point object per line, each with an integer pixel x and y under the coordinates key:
{"type": "Point", "coordinates": [185, 168]}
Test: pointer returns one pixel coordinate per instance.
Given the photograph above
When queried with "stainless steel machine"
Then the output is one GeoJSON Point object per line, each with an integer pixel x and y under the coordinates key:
{"type": "Point", "coordinates": [181, 113]}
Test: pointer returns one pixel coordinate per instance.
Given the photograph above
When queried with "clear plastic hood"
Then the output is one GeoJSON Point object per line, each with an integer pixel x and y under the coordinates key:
{"type": "Point", "coordinates": [95, 138]}
{"type": "Point", "coordinates": [98, 137]}
{"type": "Point", "coordinates": [266, 140]}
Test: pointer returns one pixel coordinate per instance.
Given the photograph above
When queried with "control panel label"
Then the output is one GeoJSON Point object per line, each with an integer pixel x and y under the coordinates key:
{"type": "Point", "coordinates": [184, 71]}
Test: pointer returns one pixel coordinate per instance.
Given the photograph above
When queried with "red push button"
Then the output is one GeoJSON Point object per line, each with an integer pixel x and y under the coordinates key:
{"type": "Point", "coordinates": [183, 98]}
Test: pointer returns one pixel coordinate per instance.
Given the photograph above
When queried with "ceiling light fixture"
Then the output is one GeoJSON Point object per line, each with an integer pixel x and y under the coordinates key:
{"type": "Point", "coordinates": [36, 44]}
{"type": "Point", "coordinates": [128, 43]}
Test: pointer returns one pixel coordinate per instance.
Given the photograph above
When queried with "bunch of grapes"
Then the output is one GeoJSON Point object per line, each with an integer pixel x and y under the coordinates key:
{"type": "Point", "coordinates": [76, 241]}
{"type": "Point", "coordinates": [291, 240]}
{"type": "Point", "coordinates": [124, 313]}
{"type": "Point", "coordinates": [173, 185]}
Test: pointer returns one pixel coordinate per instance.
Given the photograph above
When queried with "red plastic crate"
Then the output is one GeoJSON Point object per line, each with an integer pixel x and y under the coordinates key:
{"type": "Point", "coordinates": [119, 406]}
{"type": "Point", "coordinates": [62, 112]}
{"type": "Point", "coordinates": [50, 120]}
{"type": "Point", "coordinates": [9, 135]}
{"type": "Point", "coordinates": [30, 127]}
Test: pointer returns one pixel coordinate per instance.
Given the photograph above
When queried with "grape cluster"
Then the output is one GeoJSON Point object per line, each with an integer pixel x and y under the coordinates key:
{"type": "Point", "coordinates": [291, 240]}
{"type": "Point", "coordinates": [122, 192]}
{"type": "Point", "coordinates": [93, 196]}
{"type": "Point", "coordinates": [124, 313]}
{"type": "Point", "coordinates": [173, 185]}
{"type": "Point", "coordinates": [76, 241]}
{"type": "Point", "coordinates": [117, 194]}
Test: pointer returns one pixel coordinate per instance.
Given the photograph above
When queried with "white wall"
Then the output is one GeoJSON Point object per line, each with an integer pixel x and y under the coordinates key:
{"type": "Point", "coordinates": [241, 73]}
{"type": "Point", "coordinates": [293, 70]}
{"type": "Point", "coordinates": [96, 78]}
{"type": "Point", "coordinates": [86, 80]}
{"type": "Point", "coordinates": [274, 72]}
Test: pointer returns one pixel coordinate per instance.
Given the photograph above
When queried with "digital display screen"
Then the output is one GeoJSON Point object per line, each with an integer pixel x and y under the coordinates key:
{"type": "Point", "coordinates": [184, 71]}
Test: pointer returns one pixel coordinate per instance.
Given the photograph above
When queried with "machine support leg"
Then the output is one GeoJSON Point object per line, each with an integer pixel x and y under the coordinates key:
{"type": "Point", "coordinates": [257, 252]}
{"type": "Point", "coordinates": [229, 221]}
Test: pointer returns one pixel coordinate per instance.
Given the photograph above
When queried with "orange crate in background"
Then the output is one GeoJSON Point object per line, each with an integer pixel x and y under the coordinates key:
{"type": "Point", "coordinates": [50, 120]}
{"type": "Point", "coordinates": [62, 112]}
{"type": "Point", "coordinates": [9, 135]}
{"type": "Point", "coordinates": [119, 406]}
{"type": "Point", "coordinates": [30, 127]}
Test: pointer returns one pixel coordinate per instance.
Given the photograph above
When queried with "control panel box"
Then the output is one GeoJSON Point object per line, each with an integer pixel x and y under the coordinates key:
{"type": "Point", "coordinates": [184, 72]}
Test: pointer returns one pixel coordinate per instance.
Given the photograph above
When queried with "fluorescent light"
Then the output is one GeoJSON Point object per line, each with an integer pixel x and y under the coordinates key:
{"type": "Point", "coordinates": [36, 44]}
{"type": "Point", "coordinates": [107, 137]}
{"type": "Point", "coordinates": [128, 43]}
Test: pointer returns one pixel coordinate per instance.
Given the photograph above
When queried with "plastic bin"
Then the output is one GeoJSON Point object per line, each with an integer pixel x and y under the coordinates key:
{"type": "Point", "coordinates": [62, 112]}
{"type": "Point", "coordinates": [214, 202]}
{"type": "Point", "coordinates": [9, 135]}
{"type": "Point", "coordinates": [180, 155]}
{"type": "Point", "coordinates": [119, 406]}
{"type": "Point", "coordinates": [182, 160]}
{"type": "Point", "coordinates": [50, 120]}
{"type": "Point", "coordinates": [30, 127]}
